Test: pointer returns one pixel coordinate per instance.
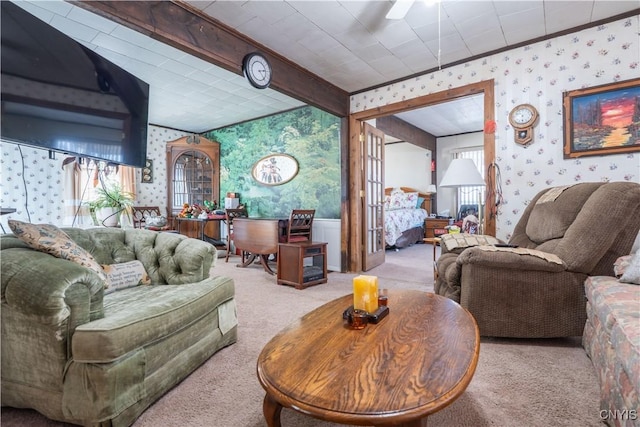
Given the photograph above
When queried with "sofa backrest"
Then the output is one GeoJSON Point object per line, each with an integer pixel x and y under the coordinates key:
{"type": "Point", "coordinates": [169, 258]}
{"type": "Point", "coordinates": [588, 225]}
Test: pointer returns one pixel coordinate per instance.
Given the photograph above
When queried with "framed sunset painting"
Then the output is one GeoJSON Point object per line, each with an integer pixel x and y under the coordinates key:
{"type": "Point", "coordinates": [602, 120]}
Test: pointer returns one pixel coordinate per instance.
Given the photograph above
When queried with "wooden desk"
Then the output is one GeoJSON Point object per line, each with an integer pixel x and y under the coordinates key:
{"type": "Point", "coordinates": [202, 223]}
{"type": "Point", "coordinates": [258, 238]}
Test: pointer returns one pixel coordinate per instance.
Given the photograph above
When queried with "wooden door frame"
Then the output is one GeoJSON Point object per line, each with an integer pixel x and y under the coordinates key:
{"type": "Point", "coordinates": [356, 186]}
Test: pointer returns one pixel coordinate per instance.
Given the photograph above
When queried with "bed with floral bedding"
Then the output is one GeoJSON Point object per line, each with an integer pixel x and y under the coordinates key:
{"type": "Point", "coordinates": [404, 216]}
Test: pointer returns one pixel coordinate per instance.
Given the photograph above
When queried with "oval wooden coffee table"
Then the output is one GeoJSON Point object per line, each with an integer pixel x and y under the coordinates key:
{"type": "Point", "coordinates": [416, 361]}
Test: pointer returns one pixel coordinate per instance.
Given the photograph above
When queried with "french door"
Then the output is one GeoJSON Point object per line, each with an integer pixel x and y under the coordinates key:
{"type": "Point", "coordinates": [373, 196]}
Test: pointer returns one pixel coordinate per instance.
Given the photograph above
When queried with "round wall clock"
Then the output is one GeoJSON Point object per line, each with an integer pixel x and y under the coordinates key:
{"type": "Point", "coordinates": [257, 70]}
{"type": "Point", "coordinates": [522, 118]}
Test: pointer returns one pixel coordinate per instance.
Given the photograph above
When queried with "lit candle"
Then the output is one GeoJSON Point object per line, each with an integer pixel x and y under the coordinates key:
{"type": "Point", "coordinates": [365, 293]}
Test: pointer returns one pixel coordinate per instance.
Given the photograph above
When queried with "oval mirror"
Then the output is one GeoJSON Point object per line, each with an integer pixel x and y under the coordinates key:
{"type": "Point", "coordinates": [275, 169]}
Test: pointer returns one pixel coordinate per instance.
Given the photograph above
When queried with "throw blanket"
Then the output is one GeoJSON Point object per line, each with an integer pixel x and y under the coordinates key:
{"type": "Point", "coordinates": [552, 194]}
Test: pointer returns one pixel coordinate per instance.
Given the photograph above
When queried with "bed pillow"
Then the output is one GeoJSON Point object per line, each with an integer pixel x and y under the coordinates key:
{"type": "Point", "coordinates": [401, 200]}
{"type": "Point", "coordinates": [125, 275]}
{"type": "Point", "coordinates": [50, 239]}
{"type": "Point", "coordinates": [419, 202]}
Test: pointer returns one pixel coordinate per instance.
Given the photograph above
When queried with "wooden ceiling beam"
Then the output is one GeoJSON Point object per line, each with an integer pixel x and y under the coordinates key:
{"type": "Point", "coordinates": [398, 128]}
{"type": "Point", "coordinates": [187, 28]}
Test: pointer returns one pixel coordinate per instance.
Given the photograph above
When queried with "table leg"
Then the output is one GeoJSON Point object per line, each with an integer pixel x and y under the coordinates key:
{"type": "Point", "coordinates": [247, 262]}
{"type": "Point", "coordinates": [271, 410]}
{"type": "Point", "coordinates": [264, 259]}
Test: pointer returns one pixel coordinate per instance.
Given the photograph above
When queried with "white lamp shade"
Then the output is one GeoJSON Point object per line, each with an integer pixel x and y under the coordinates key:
{"type": "Point", "coordinates": [461, 173]}
{"type": "Point", "coordinates": [431, 189]}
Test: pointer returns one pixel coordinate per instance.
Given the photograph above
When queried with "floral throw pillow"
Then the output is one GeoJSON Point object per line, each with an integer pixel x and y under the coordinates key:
{"type": "Point", "coordinates": [50, 239]}
{"type": "Point", "coordinates": [125, 275]}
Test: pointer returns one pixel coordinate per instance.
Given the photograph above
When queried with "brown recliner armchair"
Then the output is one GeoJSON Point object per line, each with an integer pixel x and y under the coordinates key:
{"type": "Point", "coordinates": [536, 290]}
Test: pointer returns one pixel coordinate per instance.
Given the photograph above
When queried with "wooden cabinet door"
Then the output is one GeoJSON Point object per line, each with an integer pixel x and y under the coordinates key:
{"type": "Point", "coordinates": [193, 176]}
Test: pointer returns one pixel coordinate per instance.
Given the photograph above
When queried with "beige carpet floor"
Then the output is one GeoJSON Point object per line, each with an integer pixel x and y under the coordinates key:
{"type": "Point", "coordinates": [517, 382]}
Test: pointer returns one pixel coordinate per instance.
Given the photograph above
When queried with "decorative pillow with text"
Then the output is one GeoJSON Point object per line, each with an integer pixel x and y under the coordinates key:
{"type": "Point", "coordinates": [125, 275]}
{"type": "Point", "coordinates": [50, 239]}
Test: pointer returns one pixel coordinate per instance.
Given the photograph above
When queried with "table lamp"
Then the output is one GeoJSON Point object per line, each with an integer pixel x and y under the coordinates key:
{"type": "Point", "coordinates": [464, 173]}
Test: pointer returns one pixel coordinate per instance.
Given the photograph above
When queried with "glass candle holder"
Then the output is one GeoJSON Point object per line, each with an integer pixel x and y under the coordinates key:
{"type": "Point", "coordinates": [358, 319]}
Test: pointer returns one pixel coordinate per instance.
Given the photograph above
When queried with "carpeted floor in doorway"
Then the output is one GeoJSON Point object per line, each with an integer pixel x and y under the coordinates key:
{"type": "Point", "coordinates": [517, 382]}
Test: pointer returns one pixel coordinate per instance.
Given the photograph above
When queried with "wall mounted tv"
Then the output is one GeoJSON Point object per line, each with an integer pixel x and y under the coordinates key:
{"type": "Point", "coordinates": [61, 96]}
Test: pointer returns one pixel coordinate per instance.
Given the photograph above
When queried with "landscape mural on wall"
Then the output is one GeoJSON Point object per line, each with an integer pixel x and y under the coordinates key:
{"type": "Point", "coordinates": [309, 135]}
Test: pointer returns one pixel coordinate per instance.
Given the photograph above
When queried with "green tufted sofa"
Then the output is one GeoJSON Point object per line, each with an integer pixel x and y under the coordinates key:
{"type": "Point", "coordinates": [79, 356]}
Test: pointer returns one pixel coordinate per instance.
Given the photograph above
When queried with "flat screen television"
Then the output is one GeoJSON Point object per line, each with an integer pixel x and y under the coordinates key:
{"type": "Point", "coordinates": [60, 96]}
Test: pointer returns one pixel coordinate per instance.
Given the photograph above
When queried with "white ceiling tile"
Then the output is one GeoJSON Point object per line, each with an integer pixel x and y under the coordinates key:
{"type": "Point", "coordinates": [396, 34]}
{"type": "Point", "coordinates": [563, 14]}
{"type": "Point", "coordinates": [91, 20]}
{"type": "Point", "coordinates": [76, 30]}
{"type": "Point", "coordinates": [230, 13]}
{"type": "Point", "coordinates": [486, 42]}
{"type": "Point", "coordinates": [348, 43]}
{"type": "Point", "coordinates": [46, 10]}
{"type": "Point", "coordinates": [605, 8]}
{"type": "Point", "coordinates": [269, 11]}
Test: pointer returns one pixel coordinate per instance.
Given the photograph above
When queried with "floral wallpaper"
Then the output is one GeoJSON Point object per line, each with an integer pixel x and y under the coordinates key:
{"type": "Point", "coordinates": [538, 74]}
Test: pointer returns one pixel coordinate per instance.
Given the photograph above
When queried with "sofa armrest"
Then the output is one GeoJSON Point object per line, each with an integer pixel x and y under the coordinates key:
{"type": "Point", "coordinates": [49, 289]}
{"type": "Point", "coordinates": [183, 260]}
{"type": "Point", "coordinates": [511, 258]}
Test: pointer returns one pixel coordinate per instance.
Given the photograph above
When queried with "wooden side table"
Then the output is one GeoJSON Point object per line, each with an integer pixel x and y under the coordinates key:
{"type": "Point", "coordinates": [302, 264]}
{"type": "Point", "coordinates": [431, 224]}
{"type": "Point", "coordinates": [434, 241]}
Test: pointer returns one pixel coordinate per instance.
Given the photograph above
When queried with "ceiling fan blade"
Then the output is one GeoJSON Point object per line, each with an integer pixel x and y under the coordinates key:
{"type": "Point", "coordinates": [399, 9]}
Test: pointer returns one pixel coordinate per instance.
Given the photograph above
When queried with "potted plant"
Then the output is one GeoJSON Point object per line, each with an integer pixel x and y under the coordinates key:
{"type": "Point", "coordinates": [109, 204]}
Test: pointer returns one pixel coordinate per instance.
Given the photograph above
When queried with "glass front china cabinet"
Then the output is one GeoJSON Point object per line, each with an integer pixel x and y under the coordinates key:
{"type": "Point", "coordinates": [193, 175]}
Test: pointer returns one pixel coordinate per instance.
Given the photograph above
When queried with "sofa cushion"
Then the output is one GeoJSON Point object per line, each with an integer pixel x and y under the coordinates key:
{"type": "Point", "coordinates": [50, 239]}
{"type": "Point", "coordinates": [136, 317]}
{"type": "Point", "coordinates": [125, 275]}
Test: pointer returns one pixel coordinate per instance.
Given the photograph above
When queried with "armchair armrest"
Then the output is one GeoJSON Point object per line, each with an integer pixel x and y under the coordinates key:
{"type": "Point", "coordinates": [511, 258]}
{"type": "Point", "coordinates": [50, 289]}
{"type": "Point", "coordinates": [460, 241]}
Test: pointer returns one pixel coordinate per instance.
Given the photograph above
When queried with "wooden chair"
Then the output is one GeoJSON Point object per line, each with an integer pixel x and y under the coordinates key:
{"type": "Point", "coordinates": [140, 214]}
{"type": "Point", "coordinates": [300, 223]}
{"type": "Point", "coordinates": [230, 214]}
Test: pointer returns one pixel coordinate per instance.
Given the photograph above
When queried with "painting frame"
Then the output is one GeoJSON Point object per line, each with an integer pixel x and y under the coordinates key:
{"type": "Point", "coordinates": [275, 169]}
{"type": "Point", "coordinates": [596, 119]}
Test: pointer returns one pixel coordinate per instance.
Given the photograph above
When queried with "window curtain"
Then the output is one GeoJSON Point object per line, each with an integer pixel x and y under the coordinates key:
{"type": "Point", "coordinates": [76, 213]}
{"type": "Point", "coordinates": [80, 181]}
{"type": "Point", "coordinates": [127, 175]}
